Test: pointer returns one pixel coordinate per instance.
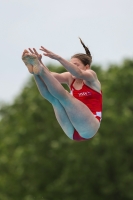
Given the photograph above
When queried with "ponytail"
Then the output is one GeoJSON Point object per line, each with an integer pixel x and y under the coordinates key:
{"type": "Point", "coordinates": [86, 59]}
{"type": "Point", "coordinates": [86, 48]}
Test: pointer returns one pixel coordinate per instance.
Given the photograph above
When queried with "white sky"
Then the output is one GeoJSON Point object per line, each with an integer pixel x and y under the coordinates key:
{"type": "Point", "coordinates": [105, 26]}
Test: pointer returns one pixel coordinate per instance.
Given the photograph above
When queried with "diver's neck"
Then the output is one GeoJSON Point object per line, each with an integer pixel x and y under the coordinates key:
{"type": "Point", "coordinates": [77, 80]}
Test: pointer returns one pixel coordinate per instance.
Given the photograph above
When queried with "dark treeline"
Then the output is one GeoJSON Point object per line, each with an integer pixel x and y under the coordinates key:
{"type": "Point", "coordinates": [39, 162]}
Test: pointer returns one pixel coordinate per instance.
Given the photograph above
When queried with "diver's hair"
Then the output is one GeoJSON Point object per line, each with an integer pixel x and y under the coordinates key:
{"type": "Point", "coordinates": [84, 58]}
{"type": "Point", "coordinates": [86, 48]}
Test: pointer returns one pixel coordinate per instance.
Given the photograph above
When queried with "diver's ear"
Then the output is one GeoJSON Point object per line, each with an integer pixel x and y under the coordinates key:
{"type": "Point", "coordinates": [87, 66]}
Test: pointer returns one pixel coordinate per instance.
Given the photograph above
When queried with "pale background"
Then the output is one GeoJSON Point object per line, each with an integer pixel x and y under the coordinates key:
{"type": "Point", "coordinates": [105, 26]}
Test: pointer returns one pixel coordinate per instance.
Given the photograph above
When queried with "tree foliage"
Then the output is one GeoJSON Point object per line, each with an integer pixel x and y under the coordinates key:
{"type": "Point", "coordinates": [38, 161]}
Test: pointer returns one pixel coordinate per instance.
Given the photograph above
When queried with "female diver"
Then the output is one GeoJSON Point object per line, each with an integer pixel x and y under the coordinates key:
{"type": "Point", "coordinates": [78, 112]}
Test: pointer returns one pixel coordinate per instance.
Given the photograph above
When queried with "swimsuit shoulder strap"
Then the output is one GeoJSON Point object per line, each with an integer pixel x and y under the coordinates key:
{"type": "Point", "coordinates": [72, 83]}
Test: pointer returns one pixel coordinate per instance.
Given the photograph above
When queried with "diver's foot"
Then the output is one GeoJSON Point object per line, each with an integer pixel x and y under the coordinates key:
{"type": "Point", "coordinates": [32, 62]}
{"type": "Point", "coordinates": [25, 58]}
{"type": "Point", "coordinates": [37, 66]}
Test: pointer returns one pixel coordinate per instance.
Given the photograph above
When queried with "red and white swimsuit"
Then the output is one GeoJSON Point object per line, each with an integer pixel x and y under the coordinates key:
{"type": "Point", "coordinates": [91, 98]}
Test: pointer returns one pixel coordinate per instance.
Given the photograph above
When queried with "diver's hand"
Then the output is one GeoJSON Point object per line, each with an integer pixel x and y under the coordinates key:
{"type": "Point", "coordinates": [49, 54]}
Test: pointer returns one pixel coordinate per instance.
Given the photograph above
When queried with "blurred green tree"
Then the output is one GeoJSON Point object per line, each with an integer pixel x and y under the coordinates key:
{"type": "Point", "coordinates": [38, 161]}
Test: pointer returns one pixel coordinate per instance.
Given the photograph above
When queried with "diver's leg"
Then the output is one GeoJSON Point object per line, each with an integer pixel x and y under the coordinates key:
{"type": "Point", "coordinates": [60, 112]}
